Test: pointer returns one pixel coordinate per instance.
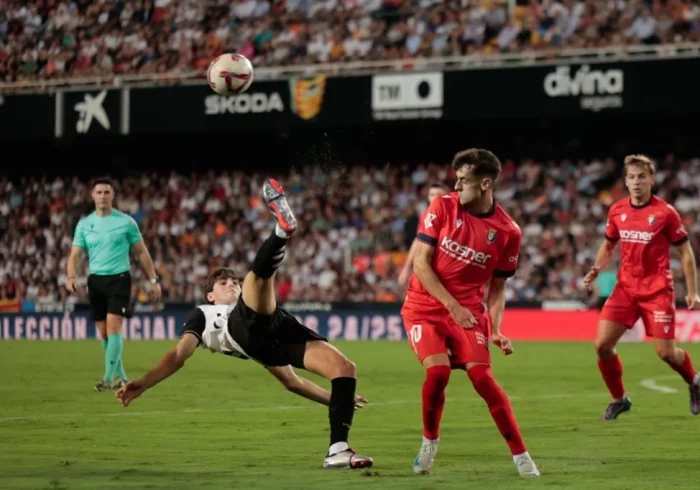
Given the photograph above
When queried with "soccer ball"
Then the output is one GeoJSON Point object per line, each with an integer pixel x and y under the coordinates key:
{"type": "Point", "coordinates": [230, 74]}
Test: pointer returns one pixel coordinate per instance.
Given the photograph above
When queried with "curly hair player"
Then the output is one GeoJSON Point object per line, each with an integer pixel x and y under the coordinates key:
{"type": "Point", "coordinates": [245, 322]}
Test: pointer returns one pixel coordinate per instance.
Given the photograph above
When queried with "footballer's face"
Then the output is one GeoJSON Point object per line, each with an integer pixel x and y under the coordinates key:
{"type": "Point", "coordinates": [435, 192]}
{"type": "Point", "coordinates": [103, 195]}
{"type": "Point", "coordinates": [225, 291]}
{"type": "Point", "coordinates": [469, 186]}
{"type": "Point", "coordinates": [639, 181]}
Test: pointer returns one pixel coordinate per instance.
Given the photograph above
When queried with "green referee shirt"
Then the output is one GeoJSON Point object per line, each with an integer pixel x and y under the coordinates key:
{"type": "Point", "coordinates": [107, 240]}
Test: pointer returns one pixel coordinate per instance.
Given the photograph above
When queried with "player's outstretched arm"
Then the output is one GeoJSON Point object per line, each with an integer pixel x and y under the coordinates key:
{"type": "Point", "coordinates": [604, 254]}
{"type": "Point", "coordinates": [423, 269]}
{"type": "Point", "coordinates": [306, 388]}
{"type": "Point", "coordinates": [691, 274]}
{"type": "Point", "coordinates": [168, 365]}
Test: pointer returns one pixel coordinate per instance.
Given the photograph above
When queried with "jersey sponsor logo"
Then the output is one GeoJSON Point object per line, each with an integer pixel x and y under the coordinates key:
{"type": "Point", "coordinates": [491, 235]}
{"type": "Point", "coordinates": [428, 221]}
{"type": "Point", "coordinates": [636, 236]}
{"type": "Point", "coordinates": [464, 253]}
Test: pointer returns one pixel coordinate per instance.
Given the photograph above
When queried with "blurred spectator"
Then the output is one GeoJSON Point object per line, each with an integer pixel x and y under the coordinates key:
{"type": "Point", "coordinates": [51, 39]}
{"type": "Point", "coordinates": [355, 226]}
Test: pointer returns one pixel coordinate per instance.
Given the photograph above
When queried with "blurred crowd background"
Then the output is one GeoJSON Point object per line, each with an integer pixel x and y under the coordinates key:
{"type": "Point", "coordinates": [357, 224]}
{"type": "Point", "coordinates": [52, 39]}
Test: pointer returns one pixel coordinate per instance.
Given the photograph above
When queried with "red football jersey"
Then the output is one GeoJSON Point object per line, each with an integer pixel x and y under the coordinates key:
{"type": "Point", "coordinates": [469, 250]}
{"type": "Point", "coordinates": [645, 234]}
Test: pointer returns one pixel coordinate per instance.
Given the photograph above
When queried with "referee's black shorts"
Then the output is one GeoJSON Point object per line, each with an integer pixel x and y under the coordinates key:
{"type": "Point", "coordinates": [109, 294]}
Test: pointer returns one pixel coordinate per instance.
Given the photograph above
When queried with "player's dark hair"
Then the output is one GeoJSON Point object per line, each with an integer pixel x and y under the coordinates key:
{"type": "Point", "coordinates": [104, 181]}
{"type": "Point", "coordinates": [216, 276]}
{"type": "Point", "coordinates": [640, 161]}
{"type": "Point", "coordinates": [438, 185]}
{"type": "Point", "coordinates": [483, 162]}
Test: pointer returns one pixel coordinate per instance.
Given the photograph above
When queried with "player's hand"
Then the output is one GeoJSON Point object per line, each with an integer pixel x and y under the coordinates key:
{"type": "Point", "coordinates": [131, 390]}
{"type": "Point", "coordinates": [462, 316]}
{"type": "Point", "coordinates": [360, 402]}
{"type": "Point", "coordinates": [71, 286]}
{"type": "Point", "coordinates": [589, 278]}
{"type": "Point", "coordinates": [503, 343]}
{"type": "Point", "coordinates": [693, 302]}
{"type": "Point", "coordinates": [155, 292]}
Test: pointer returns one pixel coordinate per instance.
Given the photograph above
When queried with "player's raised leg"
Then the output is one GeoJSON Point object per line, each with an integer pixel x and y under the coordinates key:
{"type": "Point", "coordinates": [610, 366]}
{"type": "Point", "coordinates": [325, 360]}
{"type": "Point", "coordinates": [502, 413]}
{"type": "Point", "coordinates": [258, 286]}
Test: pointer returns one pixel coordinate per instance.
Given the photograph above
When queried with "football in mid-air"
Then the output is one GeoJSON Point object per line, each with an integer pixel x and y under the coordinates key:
{"type": "Point", "coordinates": [230, 74]}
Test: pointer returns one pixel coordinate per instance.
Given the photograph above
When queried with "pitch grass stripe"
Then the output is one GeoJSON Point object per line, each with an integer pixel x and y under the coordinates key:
{"type": "Point", "coordinates": [651, 384]}
{"type": "Point", "coordinates": [139, 413]}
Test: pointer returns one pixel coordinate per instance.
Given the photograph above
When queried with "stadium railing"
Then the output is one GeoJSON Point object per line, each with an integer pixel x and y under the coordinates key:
{"type": "Point", "coordinates": [475, 61]}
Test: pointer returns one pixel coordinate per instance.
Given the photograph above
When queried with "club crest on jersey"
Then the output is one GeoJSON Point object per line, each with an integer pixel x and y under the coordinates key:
{"type": "Point", "coordinates": [623, 217]}
{"type": "Point", "coordinates": [651, 219]}
{"type": "Point", "coordinates": [491, 235]}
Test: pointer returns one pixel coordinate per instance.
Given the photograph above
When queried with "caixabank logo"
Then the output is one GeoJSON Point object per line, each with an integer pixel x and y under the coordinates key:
{"type": "Point", "coordinates": [596, 89]}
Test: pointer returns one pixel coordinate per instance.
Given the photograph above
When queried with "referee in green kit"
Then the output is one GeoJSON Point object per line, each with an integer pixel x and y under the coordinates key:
{"type": "Point", "coordinates": [108, 235]}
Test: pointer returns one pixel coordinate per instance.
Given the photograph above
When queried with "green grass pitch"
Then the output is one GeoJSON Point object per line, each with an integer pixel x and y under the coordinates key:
{"type": "Point", "coordinates": [226, 423]}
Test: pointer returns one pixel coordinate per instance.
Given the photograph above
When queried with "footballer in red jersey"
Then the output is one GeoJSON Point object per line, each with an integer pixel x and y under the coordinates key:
{"type": "Point", "coordinates": [437, 189]}
{"type": "Point", "coordinates": [464, 242]}
{"type": "Point", "coordinates": [646, 227]}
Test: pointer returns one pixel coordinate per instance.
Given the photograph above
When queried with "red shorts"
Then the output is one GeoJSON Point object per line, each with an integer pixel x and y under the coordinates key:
{"type": "Point", "coordinates": [658, 312]}
{"type": "Point", "coordinates": [430, 333]}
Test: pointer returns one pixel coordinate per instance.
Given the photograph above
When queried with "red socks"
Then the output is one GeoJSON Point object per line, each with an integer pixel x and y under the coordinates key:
{"type": "Point", "coordinates": [436, 379]}
{"type": "Point", "coordinates": [686, 370]}
{"type": "Point", "coordinates": [611, 369]}
{"type": "Point", "coordinates": [499, 406]}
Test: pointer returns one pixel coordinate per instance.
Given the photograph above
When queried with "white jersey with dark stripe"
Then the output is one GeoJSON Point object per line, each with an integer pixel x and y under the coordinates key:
{"type": "Point", "coordinates": [209, 323]}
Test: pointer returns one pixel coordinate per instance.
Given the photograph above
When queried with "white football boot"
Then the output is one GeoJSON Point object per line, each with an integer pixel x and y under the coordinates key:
{"type": "Point", "coordinates": [347, 459]}
{"type": "Point", "coordinates": [525, 464]}
{"type": "Point", "coordinates": [426, 457]}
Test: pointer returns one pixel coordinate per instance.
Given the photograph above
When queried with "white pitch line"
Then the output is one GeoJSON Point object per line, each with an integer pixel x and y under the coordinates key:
{"type": "Point", "coordinates": [139, 413]}
{"type": "Point", "coordinates": [651, 384]}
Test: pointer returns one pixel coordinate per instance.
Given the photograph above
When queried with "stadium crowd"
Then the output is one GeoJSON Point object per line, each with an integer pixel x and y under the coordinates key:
{"type": "Point", "coordinates": [44, 39]}
{"type": "Point", "coordinates": [356, 225]}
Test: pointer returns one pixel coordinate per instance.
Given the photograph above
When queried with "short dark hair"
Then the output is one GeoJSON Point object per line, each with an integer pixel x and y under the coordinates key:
{"type": "Point", "coordinates": [104, 181]}
{"type": "Point", "coordinates": [483, 162]}
{"type": "Point", "coordinates": [217, 275]}
{"type": "Point", "coordinates": [438, 185]}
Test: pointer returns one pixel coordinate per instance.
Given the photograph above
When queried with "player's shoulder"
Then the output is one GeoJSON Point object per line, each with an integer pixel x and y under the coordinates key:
{"type": "Point", "coordinates": [446, 201]}
{"type": "Point", "coordinates": [620, 206]}
{"type": "Point", "coordinates": [506, 221]}
{"type": "Point", "coordinates": [662, 205]}
{"type": "Point", "coordinates": [121, 215]}
{"type": "Point", "coordinates": [87, 219]}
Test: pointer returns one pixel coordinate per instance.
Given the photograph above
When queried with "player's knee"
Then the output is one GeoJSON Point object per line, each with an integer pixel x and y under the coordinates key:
{"type": "Point", "coordinates": [481, 377]}
{"type": "Point", "coordinates": [666, 355]}
{"type": "Point", "coordinates": [345, 368]}
{"type": "Point", "coordinates": [604, 348]}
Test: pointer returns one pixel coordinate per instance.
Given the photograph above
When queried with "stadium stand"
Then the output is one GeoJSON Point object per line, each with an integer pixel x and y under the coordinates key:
{"type": "Point", "coordinates": [357, 225]}
{"type": "Point", "coordinates": [51, 39]}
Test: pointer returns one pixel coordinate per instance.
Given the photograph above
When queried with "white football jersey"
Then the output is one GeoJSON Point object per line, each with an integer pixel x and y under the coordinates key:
{"type": "Point", "coordinates": [210, 324]}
